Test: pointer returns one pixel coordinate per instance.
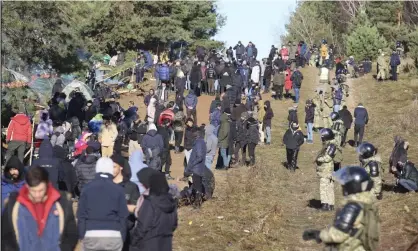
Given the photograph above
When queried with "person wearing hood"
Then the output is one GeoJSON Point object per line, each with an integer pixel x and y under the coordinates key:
{"type": "Point", "coordinates": [394, 62]}
{"type": "Point", "coordinates": [382, 66]}
{"type": "Point", "coordinates": [136, 162]}
{"type": "Point", "coordinates": [85, 168]}
{"type": "Point", "coordinates": [67, 174]}
{"type": "Point", "coordinates": [215, 117]}
{"type": "Point", "coordinates": [223, 138]}
{"type": "Point", "coordinates": [191, 103]}
{"type": "Point", "coordinates": [166, 161]}
{"type": "Point", "coordinates": [293, 139]}
{"type": "Point", "coordinates": [239, 50]}
{"type": "Point", "coordinates": [107, 137]}
{"type": "Point", "coordinates": [347, 118]}
{"type": "Point", "coordinates": [273, 52]}
{"type": "Point", "coordinates": [13, 178]}
{"type": "Point", "coordinates": [211, 144]}
{"type": "Point", "coordinates": [148, 97]}
{"type": "Point", "coordinates": [202, 177]}
{"type": "Point", "coordinates": [44, 129]}
{"type": "Point", "coordinates": [214, 103]}
{"type": "Point", "coordinates": [230, 53]}
{"type": "Point", "coordinates": [157, 218]}
{"type": "Point", "coordinates": [56, 112]}
{"type": "Point", "coordinates": [48, 161]}
{"type": "Point", "coordinates": [110, 209]}
{"type": "Point", "coordinates": [296, 79]}
{"type": "Point", "coordinates": [399, 152]}
{"type": "Point", "coordinates": [267, 120]}
{"type": "Point", "coordinates": [58, 137]}
{"type": "Point", "coordinates": [153, 147]}
{"type": "Point", "coordinates": [19, 135]}
{"type": "Point", "coordinates": [131, 192]}
{"type": "Point", "coordinates": [75, 107]}
{"type": "Point", "coordinates": [226, 77]}
{"type": "Point", "coordinates": [253, 138]}
{"type": "Point", "coordinates": [195, 76]}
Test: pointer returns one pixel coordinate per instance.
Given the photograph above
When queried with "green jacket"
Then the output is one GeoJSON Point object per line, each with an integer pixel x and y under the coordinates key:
{"type": "Point", "coordinates": [223, 135]}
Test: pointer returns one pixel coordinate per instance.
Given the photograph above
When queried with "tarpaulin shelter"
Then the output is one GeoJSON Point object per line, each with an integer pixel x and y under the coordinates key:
{"type": "Point", "coordinates": [76, 85]}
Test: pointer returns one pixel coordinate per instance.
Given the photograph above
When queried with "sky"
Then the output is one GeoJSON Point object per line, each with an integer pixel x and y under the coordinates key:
{"type": "Point", "coordinates": [259, 21]}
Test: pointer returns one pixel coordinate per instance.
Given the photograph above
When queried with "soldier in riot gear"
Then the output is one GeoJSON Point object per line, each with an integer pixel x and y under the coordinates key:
{"type": "Point", "coordinates": [327, 107]}
{"type": "Point", "coordinates": [371, 161]}
{"type": "Point", "coordinates": [337, 127]}
{"type": "Point", "coordinates": [324, 169]}
{"type": "Point", "coordinates": [356, 225]}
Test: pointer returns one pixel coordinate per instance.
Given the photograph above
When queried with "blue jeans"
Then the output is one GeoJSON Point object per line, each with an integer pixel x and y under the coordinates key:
{"type": "Point", "coordinates": [226, 158]}
{"type": "Point", "coordinates": [268, 134]}
{"type": "Point", "coordinates": [296, 95]}
{"type": "Point", "coordinates": [209, 161]}
{"type": "Point", "coordinates": [336, 108]}
{"type": "Point", "coordinates": [310, 128]}
{"type": "Point", "coordinates": [408, 184]}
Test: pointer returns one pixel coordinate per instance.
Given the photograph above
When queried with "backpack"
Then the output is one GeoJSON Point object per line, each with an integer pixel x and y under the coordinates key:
{"type": "Point", "coordinates": [369, 234]}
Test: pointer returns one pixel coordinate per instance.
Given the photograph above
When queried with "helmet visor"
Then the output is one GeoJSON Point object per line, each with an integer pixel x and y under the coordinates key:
{"type": "Point", "coordinates": [343, 175]}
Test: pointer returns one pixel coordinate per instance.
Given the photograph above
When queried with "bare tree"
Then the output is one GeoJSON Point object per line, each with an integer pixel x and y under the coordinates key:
{"type": "Point", "coordinates": [352, 7]}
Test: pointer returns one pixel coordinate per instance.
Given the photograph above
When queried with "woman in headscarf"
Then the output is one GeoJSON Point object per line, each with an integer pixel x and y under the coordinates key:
{"type": "Point", "coordinates": [136, 162]}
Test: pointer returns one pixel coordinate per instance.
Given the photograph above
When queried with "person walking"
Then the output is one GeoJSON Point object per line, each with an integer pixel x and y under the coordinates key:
{"type": "Point", "coordinates": [223, 138]}
{"type": "Point", "coordinates": [211, 144]}
{"type": "Point", "coordinates": [13, 178]}
{"type": "Point", "coordinates": [191, 103]}
{"type": "Point", "coordinates": [253, 138]}
{"type": "Point", "coordinates": [267, 120]}
{"type": "Point", "coordinates": [48, 161]}
{"type": "Point", "coordinates": [394, 62]}
{"type": "Point", "coordinates": [296, 79]}
{"type": "Point", "coordinates": [107, 137]}
{"type": "Point", "coordinates": [309, 120]}
{"type": "Point", "coordinates": [347, 118]}
{"type": "Point", "coordinates": [102, 220]}
{"type": "Point", "coordinates": [38, 216]}
{"type": "Point", "coordinates": [361, 118]}
{"type": "Point", "coordinates": [19, 135]}
{"type": "Point", "coordinates": [293, 139]}
{"type": "Point", "coordinates": [153, 147]}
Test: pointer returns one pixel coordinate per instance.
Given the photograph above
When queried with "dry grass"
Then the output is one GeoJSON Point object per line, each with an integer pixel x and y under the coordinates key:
{"type": "Point", "coordinates": [266, 207]}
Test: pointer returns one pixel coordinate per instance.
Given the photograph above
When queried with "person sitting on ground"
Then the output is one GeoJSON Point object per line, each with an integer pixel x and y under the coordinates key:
{"type": "Point", "coordinates": [13, 178]}
{"type": "Point", "coordinates": [399, 152]}
{"type": "Point", "coordinates": [407, 176]}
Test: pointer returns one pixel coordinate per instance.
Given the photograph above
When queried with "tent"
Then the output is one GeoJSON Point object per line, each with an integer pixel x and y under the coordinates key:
{"type": "Point", "coordinates": [80, 86]}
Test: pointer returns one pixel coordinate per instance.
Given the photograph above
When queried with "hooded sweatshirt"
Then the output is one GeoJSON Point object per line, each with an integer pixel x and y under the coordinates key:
{"type": "Point", "coordinates": [153, 145]}
{"type": "Point", "coordinates": [211, 140]}
{"type": "Point", "coordinates": [48, 161]}
{"type": "Point", "coordinates": [58, 137]}
{"type": "Point", "coordinates": [136, 161]}
{"type": "Point", "coordinates": [19, 129]}
{"type": "Point", "coordinates": [44, 128]}
{"type": "Point", "coordinates": [8, 184]}
{"type": "Point", "coordinates": [196, 164]}
{"type": "Point", "coordinates": [191, 100]}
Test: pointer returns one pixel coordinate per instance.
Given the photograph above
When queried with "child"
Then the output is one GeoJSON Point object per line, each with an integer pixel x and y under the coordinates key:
{"type": "Point", "coordinates": [267, 121]}
{"type": "Point", "coordinates": [288, 83]}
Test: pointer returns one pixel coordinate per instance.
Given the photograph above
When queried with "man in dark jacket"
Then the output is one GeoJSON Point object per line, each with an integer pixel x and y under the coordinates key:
{"type": "Point", "coordinates": [164, 131]}
{"type": "Point", "coordinates": [85, 168]}
{"type": "Point", "coordinates": [239, 50]}
{"type": "Point", "coordinates": [75, 107]}
{"type": "Point", "coordinates": [54, 229]}
{"type": "Point", "coordinates": [214, 103]}
{"type": "Point", "coordinates": [57, 113]}
{"type": "Point", "coordinates": [48, 161]}
{"type": "Point", "coordinates": [157, 219]}
{"type": "Point", "coordinates": [394, 62]}
{"type": "Point", "coordinates": [347, 118]}
{"type": "Point", "coordinates": [164, 73]}
{"type": "Point", "coordinates": [309, 120]}
{"type": "Point", "coordinates": [67, 174]}
{"type": "Point", "coordinates": [195, 77]}
{"type": "Point", "coordinates": [361, 118]}
{"type": "Point", "coordinates": [211, 77]}
{"type": "Point", "coordinates": [231, 93]}
{"type": "Point", "coordinates": [241, 138]}
{"type": "Point", "coordinates": [267, 121]}
{"type": "Point", "coordinates": [96, 213]}
{"type": "Point", "coordinates": [13, 178]}
{"type": "Point", "coordinates": [153, 147]}
{"type": "Point", "coordinates": [253, 138]}
{"type": "Point", "coordinates": [268, 72]}
{"type": "Point", "coordinates": [293, 139]}
{"type": "Point", "coordinates": [224, 102]}
{"type": "Point", "coordinates": [223, 138]}
{"type": "Point", "coordinates": [230, 53]}
{"type": "Point", "coordinates": [273, 52]}
{"type": "Point", "coordinates": [188, 141]}
{"type": "Point", "coordinates": [292, 117]}
{"type": "Point", "coordinates": [191, 103]}
{"type": "Point", "coordinates": [200, 53]}
{"type": "Point", "coordinates": [407, 175]}
{"type": "Point", "coordinates": [297, 78]}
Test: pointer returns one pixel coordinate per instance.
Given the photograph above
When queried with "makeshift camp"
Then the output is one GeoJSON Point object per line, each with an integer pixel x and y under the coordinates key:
{"type": "Point", "coordinates": [76, 85]}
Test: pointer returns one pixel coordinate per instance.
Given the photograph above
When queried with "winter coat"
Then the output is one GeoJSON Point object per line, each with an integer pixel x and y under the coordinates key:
{"type": "Point", "coordinates": [293, 49]}
{"type": "Point", "coordinates": [152, 140]}
{"type": "Point", "coordinates": [57, 113]}
{"type": "Point", "coordinates": [399, 152]}
{"type": "Point", "coordinates": [224, 131]}
{"type": "Point", "coordinates": [256, 73]}
{"type": "Point", "coordinates": [44, 129]}
{"type": "Point", "coordinates": [288, 80]}
{"type": "Point", "coordinates": [164, 73]}
{"type": "Point", "coordinates": [324, 76]}
{"type": "Point", "coordinates": [196, 163]}
{"type": "Point", "coordinates": [310, 114]}
{"type": "Point", "coordinates": [215, 118]}
{"type": "Point", "coordinates": [253, 135]}
{"type": "Point", "coordinates": [293, 139]}
{"type": "Point", "coordinates": [188, 138]}
{"type": "Point", "coordinates": [191, 100]}
{"type": "Point", "coordinates": [293, 116]}
{"type": "Point", "coordinates": [58, 137]}
{"type": "Point", "coordinates": [238, 111]}
{"type": "Point", "coordinates": [361, 117]}
{"type": "Point", "coordinates": [268, 115]}
{"type": "Point", "coordinates": [394, 60]}
{"type": "Point", "coordinates": [85, 169]}
{"type": "Point", "coordinates": [195, 75]}
{"type": "Point", "coordinates": [97, 212]}
{"type": "Point", "coordinates": [211, 140]}
{"type": "Point", "coordinates": [346, 117]}
{"type": "Point", "coordinates": [296, 79]}
{"type": "Point", "coordinates": [409, 172]}
{"type": "Point", "coordinates": [231, 93]}
{"type": "Point", "coordinates": [67, 174]}
{"type": "Point", "coordinates": [225, 103]}
{"type": "Point", "coordinates": [19, 129]}
{"type": "Point", "coordinates": [214, 104]}
{"type": "Point", "coordinates": [23, 226]}
{"type": "Point", "coordinates": [239, 49]}
{"type": "Point", "coordinates": [180, 84]}
{"type": "Point", "coordinates": [278, 79]}
{"type": "Point", "coordinates": [211, 73]}
{"type": "Point", "coordinates": [241, 131]}
{"type": "Point", "coordinates": [268, 72]}
{"type": "Point", "coordinates": [48, 161]}
{"type": "Point", "coordinates": [178, 123]}
{"type": "Point", "coordinates": [8, 184]}
{"type": "Point", "coordinates": [226, 78]}
{"type": "Point", "coordinates": [108, 135]}
{"type": "Point", "coordinates": [75, 107]}
{"type": "Point", "coordinates": [156, 222]}
{"type": "Point", "coordinates": [151, 110]}
{"type": "Point", "coordinates": [279, 64]}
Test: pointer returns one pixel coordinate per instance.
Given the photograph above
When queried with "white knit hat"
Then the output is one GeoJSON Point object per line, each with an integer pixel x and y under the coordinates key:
{"type": "Point", "coordinates": [104, 165]}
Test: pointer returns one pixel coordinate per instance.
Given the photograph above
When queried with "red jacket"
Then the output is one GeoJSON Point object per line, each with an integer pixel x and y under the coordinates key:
{"type": "Point", "coordinates": [288, 82]}
{"type": "Point", "coordinates": [166, 114]}
{"type": "Point", "coordinates": [20, 129]}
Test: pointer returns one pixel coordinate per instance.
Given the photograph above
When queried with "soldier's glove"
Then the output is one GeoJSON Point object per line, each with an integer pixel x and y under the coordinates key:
{"type": "Point", "coordinates": [311, 234]}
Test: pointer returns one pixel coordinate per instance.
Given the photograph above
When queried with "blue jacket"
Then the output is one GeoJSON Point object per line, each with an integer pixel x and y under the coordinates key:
{"type": "Point", "coordinates": [215, 118]}
{"type": "Point", "coordinates": [361, 117]}
{"type": "Point", "coordinates": [190, 100]}
{"type": "Point", "coordinates": [7, 184]}
{"type": "Point", "coordinates": [98, 212]}
{"type": "Point", "coordinates": [136, 162]}
{"type": "Point", "coordinates": [244, 71]}
{"type": "Point", "coordinates": [49, 162]}
{"type": "Point", "coordinates": [394, 60]}
{"type": "Point", "coordinates": [164, 72]}
{"type": "Point", "coordinates": [196, 164]}
{"type": "Point", "coordinates": [303, 49]}
{"type": "Point", "coordinates": [338, 96]}
{"type": "Point", "coordinates": [148, 60]}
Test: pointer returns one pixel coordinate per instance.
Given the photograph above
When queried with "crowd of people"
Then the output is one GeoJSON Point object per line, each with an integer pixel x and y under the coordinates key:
{"type": "Point", "coordinates": [83, 144]}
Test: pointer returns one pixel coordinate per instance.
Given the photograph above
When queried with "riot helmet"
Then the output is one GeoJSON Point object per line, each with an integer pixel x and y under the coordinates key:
{"type": "Point", "coordinates": [353, 179]}
{"type": "Point", "coordinates": [366, 150]}
{"type": "Point", "coordinates": [334, 116]}
{"type": "Point", "coordinates": [326, 134]}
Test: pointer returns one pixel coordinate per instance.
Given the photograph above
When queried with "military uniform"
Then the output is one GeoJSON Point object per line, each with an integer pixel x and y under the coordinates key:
{"type": "Point", "coordinates": [345, 90]}
{"type": "Point", "coordinates": [373, 166]}
{"type": "Point", "coordinates": [326, 111]}
{"type": "Point", "coordinates": [383, 68]}
{"type": "Point", "coordinates": [318, 120]}
{"type": "Point", "coordinates": [324, 169]}
{"type": "Point", "coordinates": [346, 232]}
{"type": "Point", "coordinates": [339, 129]}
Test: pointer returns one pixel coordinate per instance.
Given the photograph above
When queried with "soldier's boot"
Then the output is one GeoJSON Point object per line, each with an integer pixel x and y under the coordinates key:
{"type": "Point", "coordinates": [379, 196]}
{"type": "Point", "coordinates": [198, 199]}
{"type": "Point", "coordinates": [324, 206]}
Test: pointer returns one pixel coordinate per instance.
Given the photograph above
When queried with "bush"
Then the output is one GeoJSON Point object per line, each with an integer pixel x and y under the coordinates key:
{"type": "Point", "coordinates": [364, 41]}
